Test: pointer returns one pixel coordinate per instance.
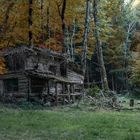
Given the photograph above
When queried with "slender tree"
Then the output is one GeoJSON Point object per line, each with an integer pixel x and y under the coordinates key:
{"type": "Point", "coordinates": [42, 20]}
{"type": "Point", "coordinates": [30, 21]}
{"type": "Point", "coordinates": [85, 38]}
{"type": "Point", "coordinates": [99, 47]}
{"type": "Point", "coordinates": [129, 25]}
{"type": "Point", "coordinates": [72, 40]}
{"type": "Point", "coordinates": [3, 27]}
{"type": "Point", "coordinates": [63, 16]}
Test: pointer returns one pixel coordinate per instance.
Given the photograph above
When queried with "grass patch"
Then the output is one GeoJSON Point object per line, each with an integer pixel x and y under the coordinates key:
{"type": "Point", "coordinates": [73, 124]}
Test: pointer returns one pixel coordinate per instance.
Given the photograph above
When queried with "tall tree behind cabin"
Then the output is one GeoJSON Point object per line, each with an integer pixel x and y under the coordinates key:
{"type": "Point", "coordinates": [99, 48]}
{"type": "Point", "coordinates": [85, 37]}
{"type": "Point", "coordinates": [30, 21]}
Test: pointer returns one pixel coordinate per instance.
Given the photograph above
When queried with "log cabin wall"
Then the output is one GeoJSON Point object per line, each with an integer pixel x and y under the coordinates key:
{"type": "Point", "coordinates": [74, 77]}
{"type": "Point", "coordinates": [22, 83]}
{"type": "Point", "coordinates": [1, 88]}
{"type": "Point", "coordinates": [41, 64]}
{"type": "Point", "coordinates": [15, 62]}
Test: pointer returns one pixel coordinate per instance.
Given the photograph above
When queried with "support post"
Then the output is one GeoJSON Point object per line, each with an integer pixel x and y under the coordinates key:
{"type": "Point", "coordinates": [63, 88]}
{"type": "Point", "coordinates": [68, 87]}
{"type": "Point", "coordinates": [48, 89]}
{"type": "Point", "coordinates": [29, 89]}
{"type": "Point", "coordinates": [63, 91]}
{"type": "Point", "coordinates": [56, 90]}
{"type": "Point", "coordinates": [73, 91]}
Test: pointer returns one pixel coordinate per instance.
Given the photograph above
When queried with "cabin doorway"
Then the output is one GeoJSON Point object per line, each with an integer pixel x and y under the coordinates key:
{"type": "Point", "coordinates": [37, 85]}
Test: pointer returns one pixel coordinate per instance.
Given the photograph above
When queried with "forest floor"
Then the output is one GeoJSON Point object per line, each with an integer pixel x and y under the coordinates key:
{"type": "Point", "coordinates": [67, 123]}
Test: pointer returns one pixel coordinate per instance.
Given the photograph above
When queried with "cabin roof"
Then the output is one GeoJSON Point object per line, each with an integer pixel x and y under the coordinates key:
{"type": "Point", "coordinates": [44, 52]}
{"type": "Point", "coordinates": [34, 50]}
{"type": "Point", "coordinates": [13, 50]}
{"type": "Point", "coordinates": [50, 76]}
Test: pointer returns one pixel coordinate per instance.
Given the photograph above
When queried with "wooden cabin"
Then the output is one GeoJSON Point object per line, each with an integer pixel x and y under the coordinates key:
{"type": "Point", "coordinates": [40, 73]}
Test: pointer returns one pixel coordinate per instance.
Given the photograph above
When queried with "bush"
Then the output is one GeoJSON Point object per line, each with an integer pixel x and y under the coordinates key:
{"type": "Point", "coordinates": [93, 91]}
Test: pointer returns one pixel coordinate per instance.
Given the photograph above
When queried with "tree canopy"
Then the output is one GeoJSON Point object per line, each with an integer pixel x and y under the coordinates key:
{"type": "Point", "coordinates": [103, 33]}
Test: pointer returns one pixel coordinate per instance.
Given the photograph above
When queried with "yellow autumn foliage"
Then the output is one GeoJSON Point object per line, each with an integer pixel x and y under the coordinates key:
{"type": "Point", "coordinates": [2, 66]}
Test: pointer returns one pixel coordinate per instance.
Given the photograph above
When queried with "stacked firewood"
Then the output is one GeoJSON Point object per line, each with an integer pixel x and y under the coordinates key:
{"type": "Point", "coordinates": [104, 100]}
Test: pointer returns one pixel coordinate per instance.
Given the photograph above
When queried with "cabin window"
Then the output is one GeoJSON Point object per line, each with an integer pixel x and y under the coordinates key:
{"type": "Point", "coordinates": [11, 85]}
{"type": "Point", "coordinates": [14, 63]}
{"type": "Point", "coordinates": [63, 69]}
{"type": "Point", "coordinates": [53, 69]}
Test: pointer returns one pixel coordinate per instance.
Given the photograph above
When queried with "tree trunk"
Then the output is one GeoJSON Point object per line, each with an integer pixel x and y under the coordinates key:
{"type": "Point", "coordinates": [63, 24]}
{"type": "Point", "coordinates": [42, 20]}
{"type": "Point", "coordinates": [30, 22]}
{"type": "Point", "coordinates": [85, 39]}
{"type": "Point", "coordinates": [72, 39]}
{"type": "Point", "coordinates": [113, 87]}
{"type": "Point", "coordinates": [99, 47]}
{"type": "Point", "coordinates": [48, 34]}
{"type": "Point", "coordinates": [3, 27]}
{"type": "Point", "coordinates": [63, 16]}
{"type": "Point", "coordinates": [130, 28]}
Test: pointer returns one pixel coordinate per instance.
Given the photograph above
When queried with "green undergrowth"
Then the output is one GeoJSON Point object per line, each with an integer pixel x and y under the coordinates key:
{"type": "Point", "coordinates": [67, 123]}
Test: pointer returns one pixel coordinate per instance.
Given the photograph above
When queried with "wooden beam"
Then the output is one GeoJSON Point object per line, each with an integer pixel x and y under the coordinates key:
{"type": "Point", "coordinates": [48, 89]}
{"type": "Point", "coordinates": [56, 90]}
{"type": "Point", "coordinates": [73, 92]}
{"type": "Point", "coordinates": [29, 89]}
{"type": "Point", "coordinates": [69, 93]}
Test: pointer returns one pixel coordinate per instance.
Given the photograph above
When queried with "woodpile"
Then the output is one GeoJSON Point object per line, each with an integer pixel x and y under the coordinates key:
{"type": "Point", "coordinates": [104, 100]}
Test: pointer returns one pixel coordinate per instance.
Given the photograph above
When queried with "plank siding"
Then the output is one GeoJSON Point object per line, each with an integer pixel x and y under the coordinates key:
{"type": "Point", "coordinates": [1, 87]}
{"type": "Point", "coordinates": [75, 77]}
{"type": "Point", "coordinates": [23, 84]}
{"type": "Point", "coordinates": [22, 81]}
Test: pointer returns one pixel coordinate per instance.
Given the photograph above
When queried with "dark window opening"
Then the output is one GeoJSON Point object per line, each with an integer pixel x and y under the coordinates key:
{"type": "Point", "coordinates": [37, 85]}
{"type": "Point", "coordinates": [53, 69]}
{"type": "Point", "coordinates": [11, 85]}
{"type": "Point", "coordinates": [63, 69]}
{"type": "Point", "coordinates": [14, 62]}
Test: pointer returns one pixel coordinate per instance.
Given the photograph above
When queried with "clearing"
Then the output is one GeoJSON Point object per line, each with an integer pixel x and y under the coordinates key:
{"type": "Point", "coordinates": [67, 124]}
